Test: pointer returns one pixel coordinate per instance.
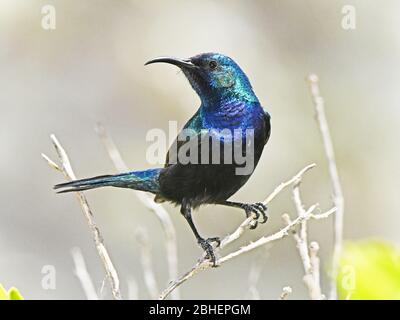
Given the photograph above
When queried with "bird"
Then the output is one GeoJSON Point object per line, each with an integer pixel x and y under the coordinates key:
{"type": "Point", "coordinates": [229, 114]}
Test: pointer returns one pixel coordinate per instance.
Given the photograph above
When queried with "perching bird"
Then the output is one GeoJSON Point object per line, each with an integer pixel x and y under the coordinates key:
{"type": "Point", "coordinates": [229, 114]}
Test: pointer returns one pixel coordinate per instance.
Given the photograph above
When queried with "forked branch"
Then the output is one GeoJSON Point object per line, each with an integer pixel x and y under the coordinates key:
{"type": "Point", "coordinates": [66, 168]}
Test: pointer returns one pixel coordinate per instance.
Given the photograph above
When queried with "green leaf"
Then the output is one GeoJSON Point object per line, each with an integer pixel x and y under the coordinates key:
{"type": "Point", "coordinates": [14, 294]}
{"type": "Point", "coordinates": [369, 269]}
{"type": "Point", "coordinates": [3, 293]}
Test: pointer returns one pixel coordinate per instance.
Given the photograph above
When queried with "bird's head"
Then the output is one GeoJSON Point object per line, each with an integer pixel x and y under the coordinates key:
{"type": "Point", "coordinates": [213, 76]}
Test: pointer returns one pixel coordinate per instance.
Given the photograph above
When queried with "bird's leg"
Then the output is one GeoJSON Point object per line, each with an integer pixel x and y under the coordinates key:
{"type": "Point", "coordinates": [258, 208]}
{"type": "Point", "coordinates": [206, 244]}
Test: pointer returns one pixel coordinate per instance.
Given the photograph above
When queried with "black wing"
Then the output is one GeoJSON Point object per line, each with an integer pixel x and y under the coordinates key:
{"type": "Point", "coordinates": [267, 123]}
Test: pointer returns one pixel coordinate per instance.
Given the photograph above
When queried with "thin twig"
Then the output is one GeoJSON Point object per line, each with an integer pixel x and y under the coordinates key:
{"type": "Point", "coordinates": [133, 289]}
{"type": "Point", "coordinates": [103, 285]}
{"type": "Point", "coordinates": [314, 259]}
{"type": "Point", "coordinates": [301, 238]}
{"type": "Point", "coordinates": [66, 169]}
{"type": "Point", "coordinates": [338, 198]}
{"type": "Point", "coordinates": [255, 274]}
{"type": "Point", "coordinates": [267, 239]}
{"type": "Point", "coordinates": [83, 275]}
{"type": "Point", "coordinates": [286, 291]}
{"type": "Point", "coordinates": [147, 201]}
{"type": "Point", "coordinates": [309, 259]}
{"type": "Point", "coordinates": [147, 265]}
{"type": "Point", "coordinates": [246, 223]}
{"type": "Point", "coordinates": [204, 264]}
{"type": "Point", "coordinates": [308, 254]}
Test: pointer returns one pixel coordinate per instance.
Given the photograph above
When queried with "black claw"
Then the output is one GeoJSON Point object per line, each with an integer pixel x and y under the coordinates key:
{"type": "Point", "coordinates": [253, 226]}
{"type": "Point", "coordinates": [259, 209]}
{"type": "Point", "coordinates": [263, 208]}
{"type": "Point", "coordinates": [261, 205]}
{"type": "Point", "coordinates": [217, 240]}
{"type": "Point", "coordinates": [265, 218]}
{"type": "Point", "coordinates": [208, 248]}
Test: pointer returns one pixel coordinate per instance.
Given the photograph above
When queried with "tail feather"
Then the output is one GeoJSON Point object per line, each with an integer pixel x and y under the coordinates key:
{"type": "Point", "coordinates": [146, 180]}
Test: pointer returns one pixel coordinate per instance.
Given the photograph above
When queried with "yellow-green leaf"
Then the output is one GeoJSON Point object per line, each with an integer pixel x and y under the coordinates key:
{"type": "Point", "coordinates": [369, 269]}
{"type": "Point", "coordinates": [14, 294]}
{"type": "Point", "coordinates": [3, 293]}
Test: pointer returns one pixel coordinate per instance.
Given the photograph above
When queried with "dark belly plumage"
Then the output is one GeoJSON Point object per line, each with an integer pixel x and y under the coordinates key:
{"type": "Point", "coordinates": [205, 183]}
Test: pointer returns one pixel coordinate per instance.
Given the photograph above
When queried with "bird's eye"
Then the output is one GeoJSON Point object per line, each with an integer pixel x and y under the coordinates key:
{"type": "Point", "coordinates": [213, 64]}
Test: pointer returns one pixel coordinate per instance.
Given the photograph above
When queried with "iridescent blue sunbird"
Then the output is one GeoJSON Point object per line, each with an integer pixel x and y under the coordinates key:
{"type": "Point", "coordinates": [228, 104]}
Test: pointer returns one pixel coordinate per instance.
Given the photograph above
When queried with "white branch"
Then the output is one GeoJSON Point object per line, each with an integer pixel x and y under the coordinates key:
{"type": "Point", "coordinates": [203, 264]}
{"type": "Point", "coordinates": [66, 169]}
{"type": "Point", "coordinates": [147, 201]}
{"type": "Point", "coordinates": [286, 291]}
{"type": "Point", "coordinates": [267, 239]}
{"type": "Point", "coordinates": [314, 259]}
{"type": "Point", "coordinates": [147, 265]}
{"type": "Point", "coordinates": [255, 274]}
{"type": "Point", "coordinates": [246, 223]}
{"type": "Point", "coordinates": [83, 275]}
{"type": "Point", "coordinates": [133, 289]}
{"type": "Point", "coordinates": [301, 238]}
{"type": "Point", "coordinates": [308, 254]}
{"type": "Point", "coordinates": [309, 259]}
{"type": "Point", "coordinates": [338, 199]}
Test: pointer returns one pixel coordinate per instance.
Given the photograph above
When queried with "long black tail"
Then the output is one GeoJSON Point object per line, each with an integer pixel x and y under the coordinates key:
{"type": "Point", "coordinates": [146, 180]}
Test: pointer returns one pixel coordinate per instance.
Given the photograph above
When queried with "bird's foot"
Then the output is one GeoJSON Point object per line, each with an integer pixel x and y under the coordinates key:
{"type": "Point", "coordinates": [217, 241]}
{"type": "Point", "coordinates": [207, 246]}
{"type": "Point", "coordinates": [259, 209]}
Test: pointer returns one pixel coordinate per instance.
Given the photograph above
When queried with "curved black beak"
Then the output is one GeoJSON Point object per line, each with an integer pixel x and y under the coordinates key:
{"type": "Point", "coordinates": [181, 63]}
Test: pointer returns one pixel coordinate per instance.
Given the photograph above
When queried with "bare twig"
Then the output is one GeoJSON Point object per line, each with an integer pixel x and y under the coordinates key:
{"type": "Point", "coordinates": [147, 201]}
{"type": "Point", "coordinates": [147, 265]}
{"type": "Point", "coordinates": [255, 274]}
{"type": "Point", "coordinates": [267, 239]}
{"type": "Point", "coordinates": [301, 238]}
{"type": "Point", "coordinates": [286, 291]}
{"type": "Point", "coordinates": [103, 285]}
{"type": "Point", "coordinates": [203, 264]}
{"type": "Point", "coordinates": [308, 254]}
{"type": "Point", "coordinates": [338, 199]}
{"type": "Point", "coordinates": [66, 169]}
{"type": "Point", "coordinates": [246, 223]}
{"type": "Point", "coordinates": [133, 289]}
{"type": "Point", "coordinates": [253, 293]}
{"type": "Point", "coordinates": [83, 275]}
{"type": "Point", "coordinates": [309, 259]}
{"type": "Point", "coordinates": [314, 259]}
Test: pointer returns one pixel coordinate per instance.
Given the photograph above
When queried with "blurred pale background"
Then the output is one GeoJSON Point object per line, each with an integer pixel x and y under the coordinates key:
{"type": "Point", "coordinates": [91, 69]}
